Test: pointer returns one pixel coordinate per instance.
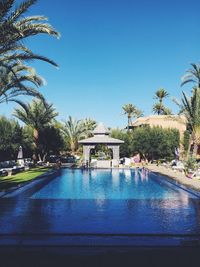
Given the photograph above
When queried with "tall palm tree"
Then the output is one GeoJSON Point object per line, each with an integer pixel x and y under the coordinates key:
{"type": "Point", "coordinates": [160, 95]}
{"type": "Point", "coordinates": [191, 107]}
{"type": "Point", "coordinates": [74, 130]}
{"type": "Point", "coordinates": [131, 111]}
{"type": "Point", "coordinates": [17, 80]}
{"type": "Point", "coordinates": [192, 76]}
{"type": "Point", "coordinates": [37, 115]}
{"type": "Point", "coordinates": [15, 28]}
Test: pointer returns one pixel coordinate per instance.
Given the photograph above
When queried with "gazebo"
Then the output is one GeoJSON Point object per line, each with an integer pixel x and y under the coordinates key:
{"type": "Point", "coordinates": [101, 136]}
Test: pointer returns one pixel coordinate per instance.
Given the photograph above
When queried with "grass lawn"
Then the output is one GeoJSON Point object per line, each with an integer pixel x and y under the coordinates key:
{"type": "Point", "coordinates": [7, 182]}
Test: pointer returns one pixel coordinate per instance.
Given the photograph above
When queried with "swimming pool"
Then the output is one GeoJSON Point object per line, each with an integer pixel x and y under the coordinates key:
{"type": "Point", "coordinates": [102, 205]}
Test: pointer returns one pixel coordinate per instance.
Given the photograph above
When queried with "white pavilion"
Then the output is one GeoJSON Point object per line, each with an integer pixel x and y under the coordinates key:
{"type": "Point", "coordinates": [101, 136]}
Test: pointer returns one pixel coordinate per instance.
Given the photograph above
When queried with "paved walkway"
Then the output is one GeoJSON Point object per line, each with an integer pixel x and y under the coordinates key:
{"type": "Point", "coordinates": [179, 176]}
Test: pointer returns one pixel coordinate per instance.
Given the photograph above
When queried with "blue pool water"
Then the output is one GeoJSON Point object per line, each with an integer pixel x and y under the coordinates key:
{"type": "Point", "coordinates": [109, 184]}
{"type": "Point", "coordinates": [101, 202]}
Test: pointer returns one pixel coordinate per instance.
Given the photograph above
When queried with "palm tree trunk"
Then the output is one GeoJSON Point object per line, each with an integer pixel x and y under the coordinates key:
{"type": "Point", "coordinates": [189, 147]}
{"type": "Point", "coordinates": [73, 148]}
{"type": "Point", "coordinates": [160, 109]}
{"type": "Point", "coordinates": [36, 139]}
{"type": "Point", "coordinates": [129, 122]}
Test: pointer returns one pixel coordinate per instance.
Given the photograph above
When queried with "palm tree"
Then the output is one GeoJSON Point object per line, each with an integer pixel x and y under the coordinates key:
{"type": "Point", "coordinates": [160, 95]}
{"type": "Point", "coordinates": [89, 125]}
{"type": "Point", "coordinates": [160, 109]}
{"type": "Point", "coordinates": [191, 107]}
{"type": "Point", "coordinates": [192, 76]}
{"type": "Point", "coordinates": [37, 115]}
{"type": "Point", "coordinates": [15, 28]}
{"type": "Point", "coordinates": [131, 111]}
{"type": "Point", "coordinates": [15, 82]}
{"type": "Point", "coordinates": [74, 130]}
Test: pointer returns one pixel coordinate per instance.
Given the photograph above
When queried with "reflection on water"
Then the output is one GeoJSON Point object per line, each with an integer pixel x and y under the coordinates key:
{"type": "Point", "coordinates": [109, 184]}
{"type": "Point", "coordinates": [115, 177]}
{"type": "Point", "coordinates": [127, 174]}
{"type": "Point", "coordinates": [144, 175]}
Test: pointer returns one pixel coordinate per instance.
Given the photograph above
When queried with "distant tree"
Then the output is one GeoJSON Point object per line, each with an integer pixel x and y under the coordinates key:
{"type": "Point", "coordinates": [141, 141]}
{"type": "Point", "coordinates": [191, 108]}
{"type": "Point", "coordinates": [10, 139]}
{"type": "Point", "coordinates": [192, 76]}
{"type": "Point", "coordinates": [37, 115]}
{"type": "Point", "coordinates": [28, 143]}
{"type": "Point", "coordinates": [155, 143]}
{"type": "Point", "coordinates": [159, 108]}
{"type": "Point", "coordinates": [74, 130]}
{"type": "Point", "coordinates": [167, 111]}
{"type": "Point", "coordinates": [89, 125]}
{"type": "Point", "coordinates": [50, 141]}
{"type": "Point", "coordinates": [131, 111]}
{"type": "Point", "coordinates": [125, 148]}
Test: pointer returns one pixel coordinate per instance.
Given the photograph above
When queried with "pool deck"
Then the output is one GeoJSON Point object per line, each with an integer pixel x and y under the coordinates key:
{"type": "Point", "coordinates": [176, 175]}
{"type": "Point", "coordinates": [101, 257]}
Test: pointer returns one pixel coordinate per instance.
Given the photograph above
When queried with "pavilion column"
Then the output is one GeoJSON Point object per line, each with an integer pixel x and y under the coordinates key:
{"type": "Point", "coordinates": [115, 149]}
{"type": "Point", "coordinates": [86, 153]}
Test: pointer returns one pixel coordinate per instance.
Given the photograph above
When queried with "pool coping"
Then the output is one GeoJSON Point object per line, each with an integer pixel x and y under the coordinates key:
{"type": "Point", "coordinates": [95, 240]}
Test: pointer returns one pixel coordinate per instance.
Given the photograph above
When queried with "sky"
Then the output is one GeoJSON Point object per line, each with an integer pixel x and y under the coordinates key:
{"type": "Point", "coordinates": [114, 52]}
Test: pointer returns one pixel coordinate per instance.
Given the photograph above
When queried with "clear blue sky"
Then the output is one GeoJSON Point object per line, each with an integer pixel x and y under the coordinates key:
{"type": "Point", "coordinates": [114, 52]}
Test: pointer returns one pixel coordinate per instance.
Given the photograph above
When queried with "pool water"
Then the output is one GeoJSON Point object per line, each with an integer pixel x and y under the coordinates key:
{"type": "Point", "coordinates": [119, 202]}
{"type": "Point", "coordinates": [109, 184]}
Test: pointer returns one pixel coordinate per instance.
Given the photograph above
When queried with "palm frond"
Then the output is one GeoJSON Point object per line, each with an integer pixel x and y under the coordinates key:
{"type": "Point", "coordinates": [23, 7]}
{"type": "Point", "coordinates": [5, 7]}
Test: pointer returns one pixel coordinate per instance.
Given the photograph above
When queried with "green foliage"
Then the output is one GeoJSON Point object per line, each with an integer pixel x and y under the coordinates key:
{"type": "Point", "coordinates": [131, 111]}
{"type": "Point", "coordinates": [37, 114]}
{"type": "Point", "coordinates": [75, 130]}
{"type": "Point", "coordinates": [17, 80]}
{"type": "Point", "coordinates": [27, 141]}
{"type": "Point", "coordinates": [101, 151]}
{"type": "Point", "coordinates": [190, 164]}
{"type": "Point", "coordinates": [125, 148]}
{"type": "Point", "coordinates": [50, 141]}
{"type": "Point", "coordinates": [141, 141]}
{"type": "Point", "coordinates": [192, 76]}
{"type": "Point", "coordinates": [192, 112]}
{"type": "Point", "coordinates": [159, 108]}
{"type": "Point", "coordinates": [151, 143]}
{"type": "Point", "coordinates": [155, 143]}
{"type": "Point", "coordinates": [11, 137]}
